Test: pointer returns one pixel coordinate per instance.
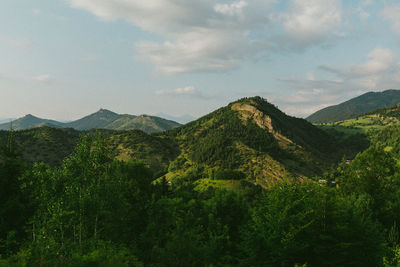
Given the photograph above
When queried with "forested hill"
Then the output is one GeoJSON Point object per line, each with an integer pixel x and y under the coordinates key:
{"type": "Point", "coordinates": [52, 145]}
{"type": "Point", "coordinates": [356, 106]}
{"type": "Point", "coordinates": [253, 138]}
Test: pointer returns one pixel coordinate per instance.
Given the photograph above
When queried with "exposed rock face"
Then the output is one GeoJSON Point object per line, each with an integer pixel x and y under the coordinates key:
{"type": "Point", "coordinates": [263, 121]}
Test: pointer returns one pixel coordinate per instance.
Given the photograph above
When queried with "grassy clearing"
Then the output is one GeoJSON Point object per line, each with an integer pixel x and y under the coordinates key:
{"type": "Point", "coordinates": [367, 124]}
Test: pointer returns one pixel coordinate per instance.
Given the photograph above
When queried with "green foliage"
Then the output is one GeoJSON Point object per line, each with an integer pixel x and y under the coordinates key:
{"type": "Point", "coordinates": [297, 224]}
{"type": "Point", "coordinates": [44, 144]}
{"type": "Point", "coordinates": [14, 206]}
{"type": "Point", "coordinates": [225, 174]}
{"type": "Point", "coordinates": [376, 174]}
{"type": "Point", "coordinates": [97, 211]}
{"type": "Point", "coordinates": [187, 231]}
{"type": "Point", "coordinates": [92, 197]}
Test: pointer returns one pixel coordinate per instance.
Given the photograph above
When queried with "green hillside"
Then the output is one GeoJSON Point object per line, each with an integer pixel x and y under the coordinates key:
{"type": "Point", "coordinates": [146, 123]}
{"type": "Point", "coordinates": [252, 137]}
{"type": "Point", "coordinates": [369, 123]}
{"type": "Point", "coordinates": [155, 151]}
{"type": "Point", "coordinates": [29, 121]}
{"type": "Point", "coordinates": [53, 145]}
{"type": "Point", "coordinates": [45, 144]}
{"type": "Point", "coordinates": [356, 106]}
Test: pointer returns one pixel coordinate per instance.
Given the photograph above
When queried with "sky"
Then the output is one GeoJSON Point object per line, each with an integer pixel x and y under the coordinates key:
{"type": "Point", "coordinates": [64, 59]}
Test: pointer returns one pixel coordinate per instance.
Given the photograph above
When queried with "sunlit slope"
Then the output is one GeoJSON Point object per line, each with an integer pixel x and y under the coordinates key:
{"type": "Point", "coordinates": [255, 138]}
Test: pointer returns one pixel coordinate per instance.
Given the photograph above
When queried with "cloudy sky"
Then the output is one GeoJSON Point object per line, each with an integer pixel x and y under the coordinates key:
{"type": "Point", "coordinates": [63, 59]}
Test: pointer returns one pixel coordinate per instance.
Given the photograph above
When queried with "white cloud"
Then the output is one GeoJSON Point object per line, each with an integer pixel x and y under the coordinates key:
{"type": "Point", "coordinates": [43, 78]}
{"type": "Point", "coordinates": [184, 91]}
{"type": "Point", "coordinates": [311, 21]}
{"type": "Point", "coordinates": [199, 35]}
{"type": "Point", "coordinates": [233, 9]}
{"type": "Point", "coordinates": [392, 14]}
{"type": "Point", "coordinates": [208, 35]}
{"type": "Point", "coordinates": [201, 50]}
{"type": "Point", "coordinates": [380, 60]}
{"type": "Point", "coordinates": [188, 90]}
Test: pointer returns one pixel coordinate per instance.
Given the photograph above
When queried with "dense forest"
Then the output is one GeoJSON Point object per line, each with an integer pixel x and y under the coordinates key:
{"type": "Point", "coordinates": [246, 185]}
{"type": "Point", "coordinates": [94, 210]}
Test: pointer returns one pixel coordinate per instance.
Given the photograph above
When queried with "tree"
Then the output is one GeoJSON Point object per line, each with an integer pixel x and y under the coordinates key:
{"type": "Point", "coordinates": [14, 208]}
{"type": "Point", "coordinates": [309, 223]}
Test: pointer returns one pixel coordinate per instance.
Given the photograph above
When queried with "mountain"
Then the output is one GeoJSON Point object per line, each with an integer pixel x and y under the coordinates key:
{"type": "Point", "coordinates": [29, 121]}
{"type": "Point", "coordinates": [102, 119]}
{"type": "Point", "coordinates": [255, 140]}
{"type": "Point", "coordinates": [53, 145]}
{"type": "Point", "coordinates": [105, 119]}
{"type": "Point", "coordinates": [356, 106]}
{"type": "Point", "coordinates": [97, 120]}
{"type": "Point", "coordinates": [44, 144]}
{"type": "Point", "coordinates": [181, 119]}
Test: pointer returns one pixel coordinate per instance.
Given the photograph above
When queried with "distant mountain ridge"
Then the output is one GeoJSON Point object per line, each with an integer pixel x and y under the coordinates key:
{"type": "Point", "coordinates": [29, 121]}
{"type": "Point", "coordinates": [102, 119]}
{"type": "Point", "coordinates": [356, 106]}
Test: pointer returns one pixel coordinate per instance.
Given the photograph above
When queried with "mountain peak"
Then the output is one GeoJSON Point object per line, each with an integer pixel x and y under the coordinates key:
{"type": "Point", "coordinates": [103, 110]}
{"type": "Point", "coordinates": [29, 116]}
{"type": "Point", "coordinates": [253, 99]}
{"type": "Point", "coordinates": [253, 134]}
